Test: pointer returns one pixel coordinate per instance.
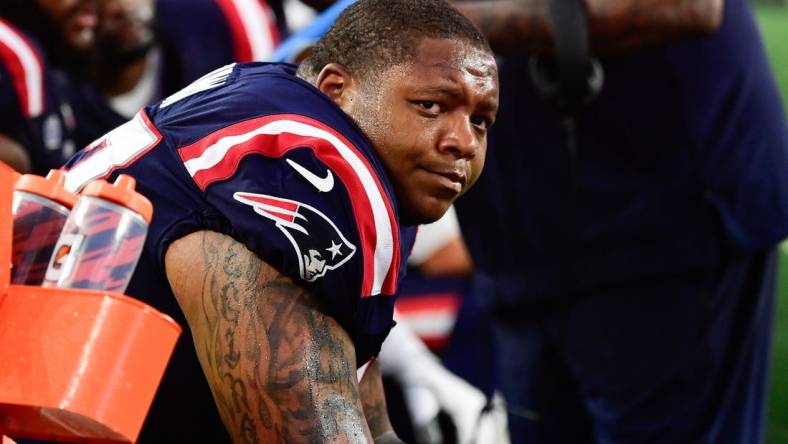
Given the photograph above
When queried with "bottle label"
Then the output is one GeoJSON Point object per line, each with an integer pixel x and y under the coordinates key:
{"type": "Point", "coordinates": [63, 258]}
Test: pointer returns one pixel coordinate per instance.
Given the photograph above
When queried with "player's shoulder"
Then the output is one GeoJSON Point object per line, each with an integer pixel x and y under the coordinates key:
{"type": "Point", "coordinates": [23, 68]}
{"type": "Point", "coordinates": [243, 87]}
{"type": "Point", "coordinates": [251, 97]}
{"type": "Point", "coordinates": [276, 85]}
{"type": "Point", "coordinates": [270, 144]}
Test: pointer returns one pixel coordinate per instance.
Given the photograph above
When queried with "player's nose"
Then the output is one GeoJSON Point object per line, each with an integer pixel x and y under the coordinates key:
{"type": "Point", "coordinates": [459, 138]}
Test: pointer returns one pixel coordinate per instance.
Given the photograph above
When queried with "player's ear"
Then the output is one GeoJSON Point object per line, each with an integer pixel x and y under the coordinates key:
{"type": "Point", "coordinates": [336, 82]}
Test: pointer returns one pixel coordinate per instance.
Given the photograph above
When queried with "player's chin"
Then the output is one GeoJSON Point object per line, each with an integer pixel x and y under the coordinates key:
{"type": "Point", "coordinates": [424, 209]}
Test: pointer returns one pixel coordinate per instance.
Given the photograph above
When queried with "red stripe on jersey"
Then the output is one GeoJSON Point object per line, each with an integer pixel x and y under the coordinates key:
{"type": "Point", "coordinates": [244, 50]}
{"type": "Point", "coordinates": [429, 303]}
{"type": "Point", "coordinates": [290, 207]}
{"type": "Point", "coordinates": [15, 49]}
{"type": "Point", "coordinates": [241, 44]}
{"type": "Point", "coordinates": [284, 216]}
{"type": "Point", "coordinates": [225, 164]}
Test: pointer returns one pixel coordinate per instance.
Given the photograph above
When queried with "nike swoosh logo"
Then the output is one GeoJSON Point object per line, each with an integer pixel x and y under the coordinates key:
{"type": "Point", "coordinates": [323, 184]}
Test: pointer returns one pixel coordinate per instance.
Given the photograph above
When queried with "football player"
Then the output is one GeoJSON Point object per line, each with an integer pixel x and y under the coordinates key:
{"type": "Point", "coordinates": [284, 211]}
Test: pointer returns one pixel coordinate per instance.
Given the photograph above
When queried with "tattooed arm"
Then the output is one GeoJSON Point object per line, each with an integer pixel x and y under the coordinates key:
{"type": "Point", "coordinates": [374, 402]}
{"type": "Point", "coordinates": [615, 25]}
{"type": "Point", "coordinates": [279, 369]}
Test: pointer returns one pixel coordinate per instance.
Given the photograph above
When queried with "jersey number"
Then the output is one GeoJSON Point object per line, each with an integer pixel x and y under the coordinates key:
{"type": "Point", "coordinates": [117, 149]}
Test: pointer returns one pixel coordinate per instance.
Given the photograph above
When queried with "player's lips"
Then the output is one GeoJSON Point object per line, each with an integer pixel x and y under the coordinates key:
{"type": "Point", "coordinates": [448, 177]}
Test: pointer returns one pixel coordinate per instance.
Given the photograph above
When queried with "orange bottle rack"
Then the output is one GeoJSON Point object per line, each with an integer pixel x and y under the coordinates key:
{"type": "Point", "coordinates": [75, 365]}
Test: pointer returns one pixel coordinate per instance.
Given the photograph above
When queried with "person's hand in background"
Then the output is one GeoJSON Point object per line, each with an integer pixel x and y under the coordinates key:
{"type": "Point", "coordinates": [430, 388]}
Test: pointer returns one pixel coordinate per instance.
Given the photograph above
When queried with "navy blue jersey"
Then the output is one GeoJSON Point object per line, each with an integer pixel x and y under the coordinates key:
{"type": "Point", "coordinates": [256, 153]}
{"type": "Point", "coordinates": [685, 149]}
{"type": "Point", "coordinates": [35, 109]}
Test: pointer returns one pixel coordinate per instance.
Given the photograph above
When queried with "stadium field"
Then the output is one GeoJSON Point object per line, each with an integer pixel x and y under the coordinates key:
{"type": "Point", "coordinates": [773, 21]}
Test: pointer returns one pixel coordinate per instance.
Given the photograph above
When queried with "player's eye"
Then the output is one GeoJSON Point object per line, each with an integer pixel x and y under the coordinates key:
{"type": "Point", "coordinates": [428, 106]}
{"type": "Point", "coordinates": [481, 122]}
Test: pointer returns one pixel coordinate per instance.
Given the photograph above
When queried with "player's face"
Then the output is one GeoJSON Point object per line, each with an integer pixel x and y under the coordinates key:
{"type": "Point", "coordinates": [428, 122]}
{"type": "Point", "coordinates": [76, 20]}
{"type": "Point", "coordinates": [126, 26]}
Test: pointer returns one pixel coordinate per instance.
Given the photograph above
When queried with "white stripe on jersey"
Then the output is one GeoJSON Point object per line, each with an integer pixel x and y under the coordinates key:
{"type": "Point", "coordinates": [256, 22]}
{"type": "Point", "coordinates": [117, 148]}
{"type": "Point", "coordinates": [384, 242]}
{"type": "Point", "coordinates": [436, 323]}
{"type": "Point", "coordinates": [34, 77]}
{"type": "Point", "coordinates": [213, 79]}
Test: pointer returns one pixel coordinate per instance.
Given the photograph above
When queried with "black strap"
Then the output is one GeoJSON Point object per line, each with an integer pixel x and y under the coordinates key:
{"type": "Point", "coordinates": [572, 78]}
{"type": "Point", "coordinates": [570, 34]}
{"type": "Point", "coordinates": [569, 81]}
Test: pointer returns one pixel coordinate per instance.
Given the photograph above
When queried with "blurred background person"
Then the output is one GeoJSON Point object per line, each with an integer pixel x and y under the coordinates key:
{"type": "Point", "coordinates": [631, 252]}
{"type": "Point", "coordinates": [44, 46]}
{"type": "Point", "coordinates": [150, 49]}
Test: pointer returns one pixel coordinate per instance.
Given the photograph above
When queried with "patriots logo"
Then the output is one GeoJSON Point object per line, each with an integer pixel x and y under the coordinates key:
{"type": "Point", "coordinates": [319, 244]}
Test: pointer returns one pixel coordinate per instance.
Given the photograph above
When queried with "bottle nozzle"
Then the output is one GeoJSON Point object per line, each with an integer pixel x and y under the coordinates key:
{"type": "Point", "coordinates": [125, 182]}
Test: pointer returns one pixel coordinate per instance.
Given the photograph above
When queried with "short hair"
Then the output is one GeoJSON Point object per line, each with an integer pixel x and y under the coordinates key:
{"type": "Point", "coordinates": [372, 35]}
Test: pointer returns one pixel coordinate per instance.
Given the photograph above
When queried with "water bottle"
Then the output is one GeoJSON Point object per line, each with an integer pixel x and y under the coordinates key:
{"type": "Point", "coordinates": [40, 208]}
{"type": "Point", "coordinates": [102, 239]}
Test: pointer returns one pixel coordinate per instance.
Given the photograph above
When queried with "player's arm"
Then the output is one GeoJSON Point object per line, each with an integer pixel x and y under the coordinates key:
{"type": "Point", "coordinates": [279, 369]}
{"type": "Point", "coordinates": [615, 25]}
{"type": "Point", "coordinates": [13, 154]}
{"type": "Point", "coordinates": [374, 402]}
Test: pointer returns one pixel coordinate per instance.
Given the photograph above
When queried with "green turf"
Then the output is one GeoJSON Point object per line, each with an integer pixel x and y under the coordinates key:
{"type": "Point", "coordinates": [777, 430]}
{"type": "Point", "coordinates": [773, 21]}
{"type": "Point", "coordinates": [774, 26]}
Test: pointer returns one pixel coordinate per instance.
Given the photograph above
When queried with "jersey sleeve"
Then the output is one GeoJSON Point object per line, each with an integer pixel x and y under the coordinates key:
{"type": "Point", "coordinates": [21, 80]}
{"type": "Point", "coordinates": [305, 200]}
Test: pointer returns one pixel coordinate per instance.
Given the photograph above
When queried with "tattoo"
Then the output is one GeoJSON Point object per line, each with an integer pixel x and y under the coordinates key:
{"type": "Point", "coordinates": [374, 401]}
{"type": "Point", "coordinates": [511, 26]}
{"type": "Point", "coordinates": [279, 369]}
{"type": "Point", "coordinates": [620, 25]}
{"type": "Point", "coordinates": [615, 26]}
